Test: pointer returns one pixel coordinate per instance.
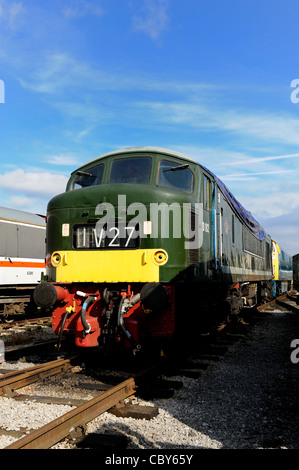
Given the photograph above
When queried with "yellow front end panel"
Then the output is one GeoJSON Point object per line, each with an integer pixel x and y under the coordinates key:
{"type": "Point", "coordinates": [275, 264]}
{"type": "Point", "coordinates": [275, 260]}
{"type": "Point", "coordinates": [108, 266]}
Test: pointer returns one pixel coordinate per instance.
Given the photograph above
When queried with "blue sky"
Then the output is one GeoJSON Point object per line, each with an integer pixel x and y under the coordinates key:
{"type": "Point", "coordinates": [211, 79]}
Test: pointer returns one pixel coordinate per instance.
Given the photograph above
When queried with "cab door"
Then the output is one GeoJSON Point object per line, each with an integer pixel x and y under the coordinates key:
{"type": "Point", "coordinates": [209, 240]}
{"type": "Point", "coordinates": [217, 223]}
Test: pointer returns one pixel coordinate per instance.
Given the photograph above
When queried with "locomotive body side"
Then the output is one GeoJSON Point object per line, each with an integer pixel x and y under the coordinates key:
{"type": "Point", "coordinates": [129, 259]}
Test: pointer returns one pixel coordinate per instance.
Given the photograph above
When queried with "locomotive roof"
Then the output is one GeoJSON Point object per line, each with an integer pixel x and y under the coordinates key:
{"type": "Point", "coordinates": [244, 214]}
{"type": "Point", "coordinates": [21, 216]}
{"type": "Point", "coordinates": [159, 150]}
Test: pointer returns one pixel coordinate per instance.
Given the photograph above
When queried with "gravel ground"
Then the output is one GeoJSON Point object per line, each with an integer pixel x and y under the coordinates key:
{"type": "Point", "coordinates": [247, 400]}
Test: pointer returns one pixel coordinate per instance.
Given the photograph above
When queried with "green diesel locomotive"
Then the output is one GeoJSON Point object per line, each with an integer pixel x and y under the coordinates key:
{"type": "Point", "coordinates": [146, 242]}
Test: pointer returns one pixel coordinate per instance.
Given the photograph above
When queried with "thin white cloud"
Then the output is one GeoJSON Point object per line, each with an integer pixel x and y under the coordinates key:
{"type": "Point", "coordinates": [272, 205]}
{"type": "Point", "coordinates": [81, 134]}
{"type": "Point", "coordinates": [152, 19]}
{"type": "Point", "coordinates": [29, 204]}
{"type": "Point", "coordinates": [262, 159]}
{"type": "Point", "coordinates": [208, 156]}
{"type": "Point", "coordinates": [193, 104]}
{"type": "Point", "coordinates": [196, 115]}
{"type": "Point", "coordinates": [42, 184]}
{"type": "Point", "coordinates": [249, 176]}
{"type": "Point", "coordinates": [62, 160]}
{"type": "Point", "coordinates": [58, 72]}
{"type": "Point", "coordinates": [10, 13]}
{"type": "Point", "coordinates": [263, 125]}
{"type": "Point", "coordinates": [79, 8]}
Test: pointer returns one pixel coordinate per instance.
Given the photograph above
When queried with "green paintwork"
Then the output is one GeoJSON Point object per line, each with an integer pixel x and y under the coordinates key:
{"type": "Point", "coordinates": [79, 206]}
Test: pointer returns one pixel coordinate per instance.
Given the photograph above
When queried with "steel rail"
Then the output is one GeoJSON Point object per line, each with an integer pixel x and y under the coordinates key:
{"type": "Point", "coordinates": [58, 429]}
{"type": "Point", "coordinates": [262, 307]}
{"type": "Point", "coordinates": [288, 303]}
{"type": "Point", "coordinates": [281, 300]}
{"type": "Point", "coordinates": [20, 378]}
{"type": "Point", "coordinates": [27, 348]}
{"type": "Point", "coordinates": [28, 321]}
{"type": "Point", "coordinates": [4, 300]}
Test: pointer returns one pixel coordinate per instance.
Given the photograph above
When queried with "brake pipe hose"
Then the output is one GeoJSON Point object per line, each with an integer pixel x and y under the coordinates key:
{"type": "Point", "coordinates": [90, 299]}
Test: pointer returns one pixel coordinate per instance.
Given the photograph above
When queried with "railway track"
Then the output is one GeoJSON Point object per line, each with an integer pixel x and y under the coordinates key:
{"type": "Point", "coordinates": [28, 336]}
{"type": "Point", "coordinates": [287, 301]}
{"type": "Point", "coordinates": [27, 321]}
{"type": "Point", "coordinates": [60, 428]}
{"type": "Point", "coordinates": [16, 379]}
{"type": "Point", "coordinates": [73, 422]}
{"type": "Point", "coordinates": [143, 384]}
{"type": "Point", "coordinates": [111, 396]}
{"type": "Point", "coordinates": [16, 302]}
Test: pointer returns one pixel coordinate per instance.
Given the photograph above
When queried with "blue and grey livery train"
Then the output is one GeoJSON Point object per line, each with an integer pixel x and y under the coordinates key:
{"type": "Point", "coordinates": [22, 257]}
{"type": "Point", "coordinates": [146, 242]}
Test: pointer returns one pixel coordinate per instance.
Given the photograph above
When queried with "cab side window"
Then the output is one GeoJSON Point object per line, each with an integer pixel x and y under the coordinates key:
{"type": "Point", "coordinates": [207, 205]}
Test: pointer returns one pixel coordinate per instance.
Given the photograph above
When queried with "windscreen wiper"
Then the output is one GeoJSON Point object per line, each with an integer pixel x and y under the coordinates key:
{"type": "Point", "coordinates": [84, 173]}
{"type": "Point", "coordinates": [179, 167]}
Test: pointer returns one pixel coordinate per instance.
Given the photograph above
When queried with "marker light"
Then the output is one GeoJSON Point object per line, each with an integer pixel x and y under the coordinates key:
{"type": "Point", "coordinates": [160, 257]}
{"type": "Point", "coordinates": [55, 259]}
